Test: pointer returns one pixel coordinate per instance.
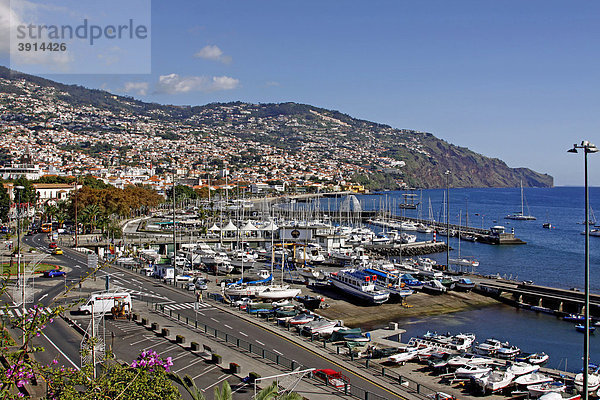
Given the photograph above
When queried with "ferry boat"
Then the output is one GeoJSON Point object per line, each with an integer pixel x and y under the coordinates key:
{"type": "Point", "coordinates": [359, 284]}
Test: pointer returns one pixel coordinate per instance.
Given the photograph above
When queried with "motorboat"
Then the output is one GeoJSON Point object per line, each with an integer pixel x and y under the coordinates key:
{"type": "Point", "coordinates": [560, 396]}
{"type": "Point", "coordinates": [453, 344]}
{"type": "Point", "coordinates": [472, 371]}
{"type": "Point", "coordinates": [309, 273]}
{"type": "Point", "coordinates": [574, 318]}
{"type": "Point", "coordinates": [494, 380]}
{"type": "Point", "coordinates": [411, 282]}
{"type": "Point", "coordinates": [438, 360]}
{"type": "Point", "coordinates": [464, 284]}
{"type": "Point", "coordinates": [410, 354]}
{"type": "Point", "coordinates": [593, 381]}
{"type": "Point", "coordinates": [465, 262]}
{"type": "Point", "coordinates": [390, 282]}
{"type": "Point", "coordinates": [321, 327]}
{"type": "Point", "coordinates": [581, 328]}
{"type": "Point", "coordinates": [534, 378]}
{"type": "Point", "coordinates": [489, 347]}
{"type": "Point", "coordinates": [508, 352]}
{"type": "Point", "coordinates": [278, 292]}
{"type": "Point", "coordinates": [522, 368]}
{"type": "Point", "coordinates": [359, 284]}
{"type": "Point", "coordinates": [301, 319]}
{"type": "Point", "coordinates": [310, 302]}
{"type": "Point", "coordinates": [434, 287]}
{"type": "Point", "coordinates": [466, 358]}
{"type": "Point", "coordinates": [540, 389]}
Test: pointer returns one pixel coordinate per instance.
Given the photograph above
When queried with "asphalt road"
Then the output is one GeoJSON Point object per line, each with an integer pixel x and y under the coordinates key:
{"type": "Point", "coordinates": [127, 340]}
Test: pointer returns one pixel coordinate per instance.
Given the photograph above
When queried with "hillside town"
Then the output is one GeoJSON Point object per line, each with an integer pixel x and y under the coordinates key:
{"type": "Point", "coordinates": [226, 143]}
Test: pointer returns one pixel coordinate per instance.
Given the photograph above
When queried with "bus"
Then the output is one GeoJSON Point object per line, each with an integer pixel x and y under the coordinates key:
{"type": "Point", "coordinates": [46, 227]}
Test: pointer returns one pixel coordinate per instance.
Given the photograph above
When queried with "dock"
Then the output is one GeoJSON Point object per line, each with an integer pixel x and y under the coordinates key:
{"type": "Point", "coordinates": [555, 301]}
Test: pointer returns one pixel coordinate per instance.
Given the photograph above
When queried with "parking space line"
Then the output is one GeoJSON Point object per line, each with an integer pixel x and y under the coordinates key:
{"type": "Point", "coordinates": [227, 326]}
{"type": "Point", "coordinates": [277, 352]}
{"type": "Point", "coordinates": [242, 333]}
{"type": "Point", "coordinates": [259, 342]}
{"type": "Point", "coordinates": [206, 371]}
{"type": "Point", "coordinates": [189, 365]}
{"type": "Point", "coordinates": [216, 320]}
{"type": "Point", "coordinates": [185, 353]}
{"type": "Point", "coordinates": [223, 377]}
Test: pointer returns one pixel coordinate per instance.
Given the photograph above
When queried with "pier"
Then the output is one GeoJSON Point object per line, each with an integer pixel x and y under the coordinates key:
{"type": "Point", "coordinates": [540, 298]}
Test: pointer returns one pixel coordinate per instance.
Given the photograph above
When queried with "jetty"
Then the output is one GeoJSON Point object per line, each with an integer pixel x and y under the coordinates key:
{"type": "Point", "coordinates": [550, 300]}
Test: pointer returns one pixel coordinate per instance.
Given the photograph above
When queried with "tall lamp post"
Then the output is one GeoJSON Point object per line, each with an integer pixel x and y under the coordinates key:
{"type": "Point", "coordinates": [21, 274]}
{"type": "Point", "coordinates": [587, 147]}
{"type": "Point", "coordinates": [447, 173]}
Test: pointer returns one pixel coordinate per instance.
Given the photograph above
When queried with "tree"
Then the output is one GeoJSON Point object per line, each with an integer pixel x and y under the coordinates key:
{"type": "Point", "coordinates": [4, 203]}
{"type": "Point", "coordinates": [28, 195]}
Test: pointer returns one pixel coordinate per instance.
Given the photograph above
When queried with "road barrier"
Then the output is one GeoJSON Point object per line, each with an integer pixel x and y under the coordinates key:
{"type": "Point", "coordinates": [261, 352]}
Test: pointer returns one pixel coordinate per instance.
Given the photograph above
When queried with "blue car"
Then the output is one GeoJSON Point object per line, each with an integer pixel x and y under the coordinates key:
{"type": "Point", "coordinates": [53, 273]}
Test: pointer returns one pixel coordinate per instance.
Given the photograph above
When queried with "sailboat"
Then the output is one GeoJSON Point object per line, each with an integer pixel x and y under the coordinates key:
{"type": "Point", "coordinates": [520, 216]}
{"type": "Point", "coordinates": [281, 291]}
{"type": "Point", "coordinates": [466, 261]}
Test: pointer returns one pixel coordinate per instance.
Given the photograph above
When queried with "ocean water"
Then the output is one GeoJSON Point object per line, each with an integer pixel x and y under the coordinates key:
{"type": "Point", "coordinates": [552, 257]}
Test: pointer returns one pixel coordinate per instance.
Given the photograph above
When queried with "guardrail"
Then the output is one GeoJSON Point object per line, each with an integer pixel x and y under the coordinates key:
{"type": "Point", "coordinates": [401, 382]}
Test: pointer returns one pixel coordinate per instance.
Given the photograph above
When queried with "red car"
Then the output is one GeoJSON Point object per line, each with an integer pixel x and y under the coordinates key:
{"type": "Point", "coordinates": [332, 378]}
{"type": "Point", "coordinates": [52, 245]}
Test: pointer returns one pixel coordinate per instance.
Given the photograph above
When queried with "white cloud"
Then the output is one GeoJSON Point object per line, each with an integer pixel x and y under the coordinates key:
{"type": "Point", "coordinates": [173, 84]}
{"type": "Point", "coordinates": [213, 53]}
{"type": "Point", "coordinates": [140, 88]}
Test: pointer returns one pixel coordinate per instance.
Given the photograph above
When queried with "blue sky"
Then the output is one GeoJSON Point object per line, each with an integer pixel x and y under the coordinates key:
{"type": "Point", "coordinates": [509, 79]}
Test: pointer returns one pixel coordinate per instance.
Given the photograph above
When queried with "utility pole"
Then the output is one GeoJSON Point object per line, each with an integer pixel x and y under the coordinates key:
{"type": "Point", "coordinates": [21, 273]}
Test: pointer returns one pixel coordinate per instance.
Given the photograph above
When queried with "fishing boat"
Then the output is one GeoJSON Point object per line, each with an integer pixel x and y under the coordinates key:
{"type": "Point", "coordinates": [359, 284]}
{"type": "Point", "coordinates": [521, 216]}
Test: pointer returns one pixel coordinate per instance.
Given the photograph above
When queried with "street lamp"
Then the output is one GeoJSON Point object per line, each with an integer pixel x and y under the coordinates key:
{"type": "Point", "coordinates": [20, 274]}
{"type": "Point", "coordinates": [447, 173]}
{"type": "Point", "coordinates": [587, 148]}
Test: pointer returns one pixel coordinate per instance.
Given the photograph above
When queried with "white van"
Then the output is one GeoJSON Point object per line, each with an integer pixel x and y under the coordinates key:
{"type": "Point", "coordinates": [103, 302]}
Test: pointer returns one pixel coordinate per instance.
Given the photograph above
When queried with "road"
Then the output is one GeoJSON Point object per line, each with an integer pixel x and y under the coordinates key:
{"type": "Point", "coordinates": [127, 340]}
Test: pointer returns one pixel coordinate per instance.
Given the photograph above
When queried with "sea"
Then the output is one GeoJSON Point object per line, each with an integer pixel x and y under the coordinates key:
{"type": "Point", "coordinates": [551, 257]}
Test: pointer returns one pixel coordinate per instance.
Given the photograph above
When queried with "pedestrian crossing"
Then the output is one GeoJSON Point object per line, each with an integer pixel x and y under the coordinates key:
{"type": "Point", "coordinates": [185, 306]}
{"type": "Point", "coordinates": [18, 312]}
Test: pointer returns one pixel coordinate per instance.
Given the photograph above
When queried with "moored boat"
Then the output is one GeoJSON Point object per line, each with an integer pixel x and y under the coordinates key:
{"type": "Point", "coordinates": [522, 368]}
{"type": "Point", "coordinates": [546, 387]}
{"type": "Point", "coordinates": [534, 378]}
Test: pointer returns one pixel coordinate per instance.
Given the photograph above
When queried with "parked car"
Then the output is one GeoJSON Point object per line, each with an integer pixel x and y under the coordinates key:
{"type": "Point", "coordinates": [191, 286]}
{"type": "Point", "coordinates": [332, 378]}
{"type": "Point", "coordinates": [201, 285]}
{"type": "Point", "coordinates": [53, 273]}
{"type": "Point", "coordinates": [57, 251]}
{"type": "Point", "coordinates": [52, 245]}
{"type": "Point", "coordinates": [183, 278]}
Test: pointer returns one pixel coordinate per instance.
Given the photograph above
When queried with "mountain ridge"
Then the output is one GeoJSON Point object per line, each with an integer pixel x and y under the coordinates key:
{"type": "Point", "coordinates": [311, 139]}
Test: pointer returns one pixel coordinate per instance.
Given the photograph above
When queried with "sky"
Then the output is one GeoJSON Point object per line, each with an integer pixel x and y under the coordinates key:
{"type": "Point", "coordinates": [514, 80]}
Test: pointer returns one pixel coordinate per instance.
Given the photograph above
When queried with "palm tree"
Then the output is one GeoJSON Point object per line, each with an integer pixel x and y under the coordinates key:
{"type": "Point", "coordinates": [225, 392]}
{"type": "Point", "coordinates": [188, 384]}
